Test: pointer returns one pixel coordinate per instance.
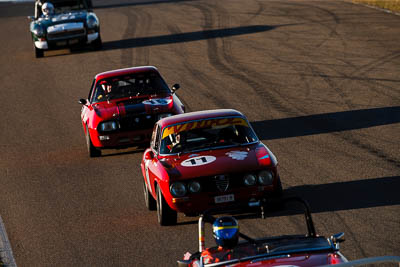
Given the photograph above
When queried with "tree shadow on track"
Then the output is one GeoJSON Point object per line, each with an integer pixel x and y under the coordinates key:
{"type": "Point", "coordinates": [167, 39]}
{"type": "Point", "coordinates": [340, 196]}
{"type": "Point", "coordinates": [184, 37]}
{"type": "Point", "coordinates": [359, 194]}
{"type": "Point", "coordinates": [326, 123]}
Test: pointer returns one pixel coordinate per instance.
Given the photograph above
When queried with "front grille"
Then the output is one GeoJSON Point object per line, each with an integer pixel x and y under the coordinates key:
{"type": "Point", "coordinates": [76, 33]}
{"type": "Point", "coordinates": [221, 183]}
{"type": "Point", "coordinates": [138, 122]}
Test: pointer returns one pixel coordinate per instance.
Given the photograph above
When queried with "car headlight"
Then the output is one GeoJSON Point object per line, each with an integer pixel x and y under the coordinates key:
{"type": "Point", "coordinates": [178, 189]}
{"type": "Point", "coordinates": [108, 126]}
{"type": "Point", "coordinates": [265, 177]}
{"type": "Point", "coordinates": [37, 30]}
{"type": "Point", "coordinates": [92, 21]}
{"type": "Point", "coordinates": [249, 179]}
{"type": "Point", "coordinates": [164, 115]}
{"type": "Point", "coordinates": [194, 187]}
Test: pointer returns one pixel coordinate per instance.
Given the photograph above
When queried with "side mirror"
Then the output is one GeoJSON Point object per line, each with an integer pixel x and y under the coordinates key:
{"type": "Point", "coordinates": [82, 101]}
{"type": "Point", "coordinates": [336, 239]}
{"type": "Point", "coordinates": [149, 155]}
{"type": "Point", "coordinates": [175, 87]}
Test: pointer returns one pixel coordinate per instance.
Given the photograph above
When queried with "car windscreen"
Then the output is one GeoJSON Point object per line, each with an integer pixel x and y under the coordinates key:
{"type": "Point", "coordinates": [61, 6]}
{"type": "Point", "coordinates": [131, 85]}
{"type": "Point", "coordinates": [205, 134]}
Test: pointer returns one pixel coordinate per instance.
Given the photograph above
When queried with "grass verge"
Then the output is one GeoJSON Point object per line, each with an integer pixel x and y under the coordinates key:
{"type": "Point", "coordinates": [392, 5]}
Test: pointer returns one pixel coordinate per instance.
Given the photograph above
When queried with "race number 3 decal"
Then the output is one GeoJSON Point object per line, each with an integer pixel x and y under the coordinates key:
{"type": "Point", "coordinates": [198, 161]}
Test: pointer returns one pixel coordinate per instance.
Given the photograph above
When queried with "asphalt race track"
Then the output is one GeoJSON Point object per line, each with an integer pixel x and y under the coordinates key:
{"type": "Point", "coordinates": [319, 81]}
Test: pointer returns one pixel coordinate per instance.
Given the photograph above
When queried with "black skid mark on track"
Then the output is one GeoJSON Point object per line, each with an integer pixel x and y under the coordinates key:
{"type": "Point", "coordinates": [347, 137]}
{"type": "Point", "coordinates": [141, 54]}
{"type": "Point", "coordinates": [370, 149]}
{"type": "Point", "coordinates": [127, 54]}
{"type": "Point", "coordinates": [233, 68]}
{"type": "Point", "coordinates": [259, 11]}
{"type": "Point", "coordinates": [367, 68]}
{"type": "Point", "coordinates": [349, 232]}
{"type": "Point", "coordinates": [196, 74]}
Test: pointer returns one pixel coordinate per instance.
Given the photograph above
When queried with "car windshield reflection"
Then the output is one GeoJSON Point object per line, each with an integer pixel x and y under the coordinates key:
{"type": "Point", "coordinates": [206, 134]}
{"type": "Point", "coordinates": [133, 85]}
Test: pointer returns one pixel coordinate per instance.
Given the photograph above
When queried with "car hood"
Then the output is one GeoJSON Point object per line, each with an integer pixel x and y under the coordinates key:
{"type": "Point", "coordinates": [142, 105]}
{"type": "Point", "coordinates": [70, 17]}
{"type": "Point", "coordinates": [220, 161]}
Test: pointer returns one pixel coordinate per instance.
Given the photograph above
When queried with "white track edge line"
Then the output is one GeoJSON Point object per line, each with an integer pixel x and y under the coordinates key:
{"type": "Point", "coordinates": [8, 260]}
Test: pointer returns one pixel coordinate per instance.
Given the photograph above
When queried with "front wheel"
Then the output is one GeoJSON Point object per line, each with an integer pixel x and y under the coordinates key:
{"type": "Point", "coordinates": [38, 52]}
{"type": "Point", "coordinates": [92, 150]}
{"type": "Point", "coordinates": [97, 44]}
{"type": "Point", "coordinates": [148, 198]}
{"type": "Point", "coordinates": [165, 215]}
{"type": "Point", "coordinates": [279, 189]}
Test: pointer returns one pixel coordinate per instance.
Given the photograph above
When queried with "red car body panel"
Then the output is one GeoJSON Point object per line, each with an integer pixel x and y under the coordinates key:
{"type": "Point", "coordinates": [292, 260]}
{"type": "Point", "coordinates": [293, 250]}
{"type": "Point", "coordinates": [162, 170]}
{"type": "Point", "coordinates": [142, 106]}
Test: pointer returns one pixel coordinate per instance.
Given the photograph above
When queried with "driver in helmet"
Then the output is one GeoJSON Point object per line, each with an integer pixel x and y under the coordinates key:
{"type": "Point", "coordinates": [47, 9]}
{"type": "Point", "coordinates": [105, 90]}
{"type": "Point", "coordinates": [176, 142]}
{"type": "Point", "coordinates": [226, 235]}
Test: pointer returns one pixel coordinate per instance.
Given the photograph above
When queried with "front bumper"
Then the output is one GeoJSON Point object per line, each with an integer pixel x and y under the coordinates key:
{"type": "Point", "coordinates": [44, 44]}
{"type": "Point", "coordinates": [120, 139]}
{"type": "Point", "coordinates": [195, 204]}
{"type": "Point", "coordinates": [92, 37]}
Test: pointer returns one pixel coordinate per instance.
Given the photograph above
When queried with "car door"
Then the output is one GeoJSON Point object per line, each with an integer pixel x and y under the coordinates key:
{"type": "Point", "coordinates": [151, 165]}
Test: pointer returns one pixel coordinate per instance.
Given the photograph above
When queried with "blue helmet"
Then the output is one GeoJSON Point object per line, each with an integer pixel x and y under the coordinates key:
{"type": "Point", "coordinates": [226, 232]}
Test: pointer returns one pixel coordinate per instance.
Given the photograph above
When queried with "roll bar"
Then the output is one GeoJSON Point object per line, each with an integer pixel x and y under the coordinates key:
{"type": "Point", "coordinates": [263, 205]}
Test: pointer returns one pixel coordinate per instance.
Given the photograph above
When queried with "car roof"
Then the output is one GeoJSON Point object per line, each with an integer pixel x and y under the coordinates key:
{"type": "Point", "coordinates": [199, 115]}
{"type": "Point", "coordinates": [119, 72]}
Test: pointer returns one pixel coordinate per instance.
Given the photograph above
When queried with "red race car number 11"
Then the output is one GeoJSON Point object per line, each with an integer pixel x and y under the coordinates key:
{"type": "Point", "coordinates": [198, 161]}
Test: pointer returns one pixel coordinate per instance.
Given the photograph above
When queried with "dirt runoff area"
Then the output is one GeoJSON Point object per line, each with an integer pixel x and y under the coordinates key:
{"type": "Point", "coordinates": [391, 5]}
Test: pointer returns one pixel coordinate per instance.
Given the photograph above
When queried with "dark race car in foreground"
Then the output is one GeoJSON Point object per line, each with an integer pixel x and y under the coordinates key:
{"type": "Point", "coordinates": [296, 250]}
{"type": "Point", "coordinates": [123, 106]}
{"type": "Point", "coordinates": [71, 24]}
{"type": "Point", "coordinates": [203, 159]}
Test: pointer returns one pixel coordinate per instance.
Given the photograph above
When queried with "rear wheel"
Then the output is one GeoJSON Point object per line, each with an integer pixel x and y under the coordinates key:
{"type": "Point", "coordinates": [38, 52]}
{"type": "Point", "coordinates": [148, 198]}
{"type": "Point", "coordinates": [165, 215]}
{"type": "Point", "coordinates": [92, 150]}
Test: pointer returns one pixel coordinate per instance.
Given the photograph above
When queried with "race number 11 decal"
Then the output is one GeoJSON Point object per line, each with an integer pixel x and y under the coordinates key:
{"type": "Point", "coordinates": [198, 161]}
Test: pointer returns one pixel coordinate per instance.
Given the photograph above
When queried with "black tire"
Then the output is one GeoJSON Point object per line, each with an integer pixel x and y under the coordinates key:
{"type": "Point", "coordinates": [150, 202]}
{"type": "Point", "coordinates": [97, 44]}
{"type": "Point", "coordinates": [92, 150]}
{"type": "Point", "coordinates": [38, 52]}
{"type": "Point", "coordinates": [165, 215]}
{"type": "Point", "coordinates": [278, 190]}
